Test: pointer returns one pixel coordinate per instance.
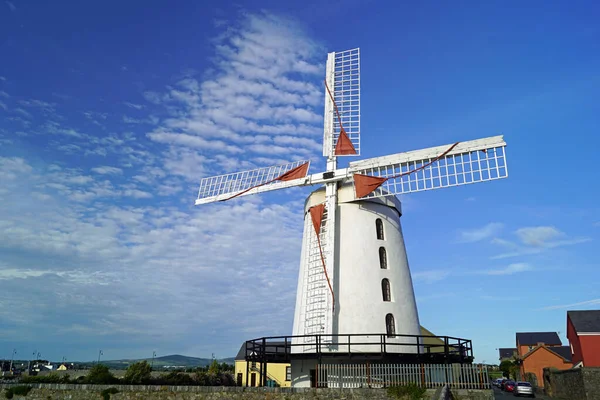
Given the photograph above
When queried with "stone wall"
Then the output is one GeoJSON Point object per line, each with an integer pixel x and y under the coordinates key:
{"type": "Point", "coordinates": [140, 392]}
{"type": "Point", "coordinates": [468, 394]}
{"type": "Point", "coordinates": [573, 384]}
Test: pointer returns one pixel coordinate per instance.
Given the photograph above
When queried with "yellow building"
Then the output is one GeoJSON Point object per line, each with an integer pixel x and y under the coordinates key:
{"type": "Point", "coordinates": [436, 345]}
{"type": "Point", "coordinates": [248, 373]}
{"type": "Point", "coordinates": [280, 374]}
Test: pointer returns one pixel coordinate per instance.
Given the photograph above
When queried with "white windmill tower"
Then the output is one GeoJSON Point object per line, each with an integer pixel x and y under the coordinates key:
{"type": "Point", "coordinates": [354, 285]}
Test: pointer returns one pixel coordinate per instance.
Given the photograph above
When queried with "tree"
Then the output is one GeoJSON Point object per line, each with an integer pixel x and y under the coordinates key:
{"type": "Point", "coordinates": [214, 367]}
{"type": "Point", "coordinates": [139, 372]}
{"type": "Point", "coordinates": [100, 375]}
{"type": "Point", "coordinates": [505, 367]}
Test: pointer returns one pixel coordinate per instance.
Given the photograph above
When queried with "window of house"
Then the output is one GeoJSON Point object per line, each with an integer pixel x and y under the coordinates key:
{"type": "Point", "coordinates": [390, 325]}
{"type": "Point", "coordinates": [379, 227]}
{"type": "Point", "coordinates": [382, 258]}
{"type": "Point", "coordinates": [288, 373]}
{"type": "Point", "coordinates": [385, 289]}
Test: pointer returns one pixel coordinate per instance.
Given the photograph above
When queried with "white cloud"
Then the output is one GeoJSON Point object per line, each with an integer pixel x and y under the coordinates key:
{"type": "Point", "coordinates": [262, 96]}
{"type": "Point", "coordinates": [538, 236]}
{"type": "Point", "coordinates": [510, 269]}
{"type": "Point", "coordinates": [479, 234]}
{"type": "Point", "coordinates": [193, 141]}
{"type": "Point", "coordinates": [134, 106]}
{"type": "Point", "coordinates": [592, 302]}
{"type": "Point", "coordinates": [111, 243]}
{"type": "Point", "coordinates": [106, 170]}
{"type": "Point", "coordinates": [535, 240]}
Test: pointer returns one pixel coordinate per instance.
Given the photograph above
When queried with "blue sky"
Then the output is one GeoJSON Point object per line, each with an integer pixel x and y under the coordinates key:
{"type": "Point", "coordinates": [111, 113]}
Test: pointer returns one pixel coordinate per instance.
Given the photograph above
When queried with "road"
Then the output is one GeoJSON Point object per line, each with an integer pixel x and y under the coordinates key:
{"type": "Point", "coordinates": [500, 395]}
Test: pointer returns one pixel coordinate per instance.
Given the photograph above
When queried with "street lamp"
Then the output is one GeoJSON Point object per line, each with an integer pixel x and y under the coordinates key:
{"type": "Point", "coordinates": [32, 358]}
{"type": "Point", "coordinates": [152, 365]}
{"type": "Point", "coordinates": [100, 353]}
{"type": "Point", "coordinates": [11, 359]}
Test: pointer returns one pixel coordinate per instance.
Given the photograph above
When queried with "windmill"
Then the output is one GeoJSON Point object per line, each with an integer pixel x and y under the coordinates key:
{"type": "Point", "coordinates": [353, 249]}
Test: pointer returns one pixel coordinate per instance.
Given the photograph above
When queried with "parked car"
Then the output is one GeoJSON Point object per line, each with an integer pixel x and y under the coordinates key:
{"type": "Point", "coordinates": [523, 389]}
{"type": "Point", "coordinates": [509, 386]}
{"type": "Point", "coordinates": [497, 382]}
{"type": "Point", "coordinates": [502, 382]}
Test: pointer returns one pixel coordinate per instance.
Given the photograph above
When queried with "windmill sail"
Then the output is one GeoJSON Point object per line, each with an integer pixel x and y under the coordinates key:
{"type": "Point", "coordinates": [229, 186]}
{"type": "Point", "coordinates": [433, 168]}
{"type": "Point", "coordinates": [342, 104]}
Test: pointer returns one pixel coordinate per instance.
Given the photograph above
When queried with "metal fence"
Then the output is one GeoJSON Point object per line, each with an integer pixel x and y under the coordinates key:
{"type": "Point", "coordinates": [463, 376]}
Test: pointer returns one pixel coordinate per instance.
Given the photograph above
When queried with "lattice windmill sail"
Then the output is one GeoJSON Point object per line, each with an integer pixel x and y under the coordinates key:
{"type": "Point", "coordinates": [341, 136]}
{"type": "Point", "coordinates": [344, 269]}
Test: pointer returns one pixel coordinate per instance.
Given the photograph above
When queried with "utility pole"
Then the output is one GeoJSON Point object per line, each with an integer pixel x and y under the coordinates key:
{"type": "Point", "coordinates": [100, 353]}
{"type": "Point", "coordinates": [152, 365]}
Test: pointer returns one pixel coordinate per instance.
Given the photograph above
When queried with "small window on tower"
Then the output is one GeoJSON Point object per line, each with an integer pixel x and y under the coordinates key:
{"type": "Point", "coordinates": [390, 325]}
{"type": "Point", "coordinates": [385, 289]}
{"type": "Point", "coordinates": [379, 227]}
{"type": "Point", "coordinates": [382, 258]}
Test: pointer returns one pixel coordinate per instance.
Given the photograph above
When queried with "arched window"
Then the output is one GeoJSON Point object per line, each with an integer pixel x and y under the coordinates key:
{"type": "Point", "coordinates": [390, 325]}
{"type": "Point", "coordinates": [382, 258]}
{"type": "Point", "coordinates": [379, 228]}
{"type": "Point", "coordinates": [385, 289]}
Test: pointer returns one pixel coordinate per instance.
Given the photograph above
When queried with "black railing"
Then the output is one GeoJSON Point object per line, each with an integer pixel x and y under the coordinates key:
{"type": "Point", "coordinates": [406, 348]}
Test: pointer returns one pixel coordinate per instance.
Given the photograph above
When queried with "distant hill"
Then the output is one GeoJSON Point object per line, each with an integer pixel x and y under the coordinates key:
{"type": "Point", "coordinates": [165, 362]}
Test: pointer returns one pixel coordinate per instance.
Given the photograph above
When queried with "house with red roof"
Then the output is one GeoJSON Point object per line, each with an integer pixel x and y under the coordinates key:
{"type": "Point", "coordinates": [539, 350]}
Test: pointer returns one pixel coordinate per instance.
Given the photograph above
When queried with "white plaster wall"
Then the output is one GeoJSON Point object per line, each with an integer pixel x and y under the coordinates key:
{"type": "Point", "coordinates": [359, 302]}
{"type": "Point", "coordinates": [301, 372]}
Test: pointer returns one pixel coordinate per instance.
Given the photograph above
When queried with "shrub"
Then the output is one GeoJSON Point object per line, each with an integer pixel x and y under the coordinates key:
{"type": "Point", "coordinates": [18, 390]}
{"type": "Point", "coordinates": [21, 390]}
{"type": "Point", "coordinates": [139, 372]}
{"type": "Point", "coordinates": [409, 392]}
{"type": "Point", "coordinates": [175, 378]}
{"type": "Point", "coordinates": [107, 392]}
{"type": "Point", "coordinates": [52, 377]}
{"type": "Point", "coordinates": [100, 375]}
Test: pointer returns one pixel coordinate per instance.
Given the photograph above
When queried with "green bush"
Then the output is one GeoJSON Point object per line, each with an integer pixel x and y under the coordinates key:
{"type": "Point", "coordinates": [408, 392]}
{"type": "Point", "coordinates": [18, 390]}
{"type": "Point", "coordinates": [137, 373]}
{"type": "Point", "coordinates": [107, 392]}
{"type": "Point", "coordinates": [100, 375]}
{"type": "Point", "coordinates": [52, 377]}
{"type": "Point", "coordinates": [175, 378]}
{"type": "Point", "coordinates": [21, 390]}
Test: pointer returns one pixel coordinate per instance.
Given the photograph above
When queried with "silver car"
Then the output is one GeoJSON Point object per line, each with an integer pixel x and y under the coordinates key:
{"type": "Point", "coordinates": [523, 389]}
